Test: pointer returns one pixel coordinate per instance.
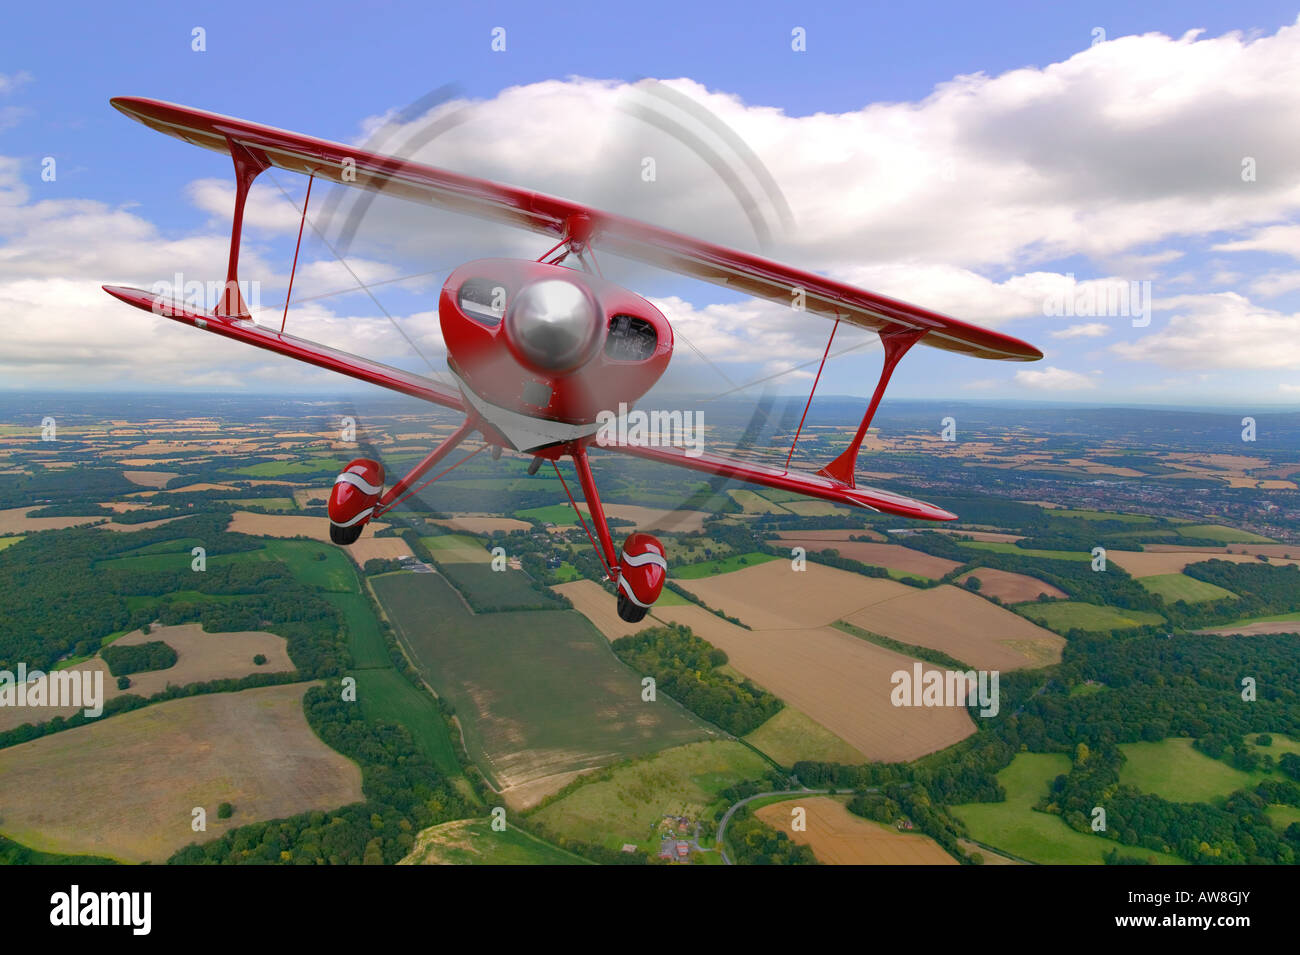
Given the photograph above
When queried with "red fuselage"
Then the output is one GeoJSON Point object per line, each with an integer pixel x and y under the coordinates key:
{"type": "Point", "coordinates": [549, 342]}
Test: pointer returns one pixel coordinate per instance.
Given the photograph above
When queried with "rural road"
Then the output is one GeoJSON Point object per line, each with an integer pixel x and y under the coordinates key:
{"type": "Point", "coordinates": [722, 826]}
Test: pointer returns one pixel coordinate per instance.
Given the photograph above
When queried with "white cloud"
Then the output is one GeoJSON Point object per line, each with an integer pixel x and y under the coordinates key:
{"type": "Point", "coordinates": [1053, 379]}
{"type": "Point", "coordinates": [1283, 239]}
{"type": "Point", "coordinates": [1222, 330]}
{"type": "Point", "coordinates": [1087, 330]}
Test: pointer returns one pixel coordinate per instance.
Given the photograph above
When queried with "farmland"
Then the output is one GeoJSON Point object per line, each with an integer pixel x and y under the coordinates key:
{"type": "Point", "coordinates": [1063, 615]}
{"type": "Point", "coordinates": [624, 804]}
{"type": "Point", "coordinates": [512, 677]}
{"type": "Point", "coordinates": [1174, 769]}
{"type": "Point", "coordinates": [1009, 587]}
{"type": "Point", "coordinates": [472, 842]}
{"type": "Point", "coordinates": [1174, 587]}
{"type": "Point", "coordinates": [1014, 826]}
{"type": "Point", "coordinates": [124, 788]}
{"type": "Point", "coordinates": [790, 736]}
{"type": "Point", "coordinates": [838, 681]}
{"type": "Point", "coordinates": [837, 837]}
{"type": "Point", "coordinates": [726, 565]}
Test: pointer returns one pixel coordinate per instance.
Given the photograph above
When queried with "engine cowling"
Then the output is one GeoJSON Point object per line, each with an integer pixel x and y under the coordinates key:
{"type": "Point", "coordinates": [354, 496]}
{"type": "Point", "coordinates": [643, 568]}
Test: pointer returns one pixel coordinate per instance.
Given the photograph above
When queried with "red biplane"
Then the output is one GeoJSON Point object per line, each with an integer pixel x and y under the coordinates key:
{"type": "Point", "coordinates": [539, 349]}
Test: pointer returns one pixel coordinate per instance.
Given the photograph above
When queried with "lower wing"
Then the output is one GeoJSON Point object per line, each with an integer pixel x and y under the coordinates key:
{"type": "Point", "coordinates": [813, 485]}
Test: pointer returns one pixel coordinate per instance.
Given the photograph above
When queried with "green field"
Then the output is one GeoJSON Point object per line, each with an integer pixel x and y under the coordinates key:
{"type": "Point", "coordinates": [726, 565]}
{"type": "Point", "coordinates": [538, 692]}
{"type": "Point", "coordinates": [8, 541]}
{"type": "Point", "coordinates": [1062, 615]}
{"type": "Point", "coordinates": [492, 591]}
{"type": "Point", "coordinates": [386, 695]}
{"type": "Point", "coordinates": [1283, 816]}
{"type": "Point", "coordinates": [558, 514]}
{"type": "Point", "coordinates": [754, 503]}
{"type": "Point", "coordinates": [1174, 587]}
{"type": "Point", "coordinates": [790, 736]}
{"type": "Point", "coordinates": [567, 572]}
{"type": "Point", "coordinates": [365, 642]}
{"type": "Point", "coordinates": [1015, 827]}
{"type": "Point", "coordinates": [1176, 771]}
{"type": "Point", "coordinates": [1229, 535]}
{"type": "Point", "coordinates": [269, 469]}
{"type": "Point", "coordinates": [1005, 547]}
{"type": "Point", "coordinates": [457, 547]}
{"type": "Point", "coordinates": [314, 563]}
{"type": "Point", "coordinates": [627, 806]}
{"type": "Point", "coordinates": [1088, 515]}
{"type": "Point", "coordinates": [473, 842]}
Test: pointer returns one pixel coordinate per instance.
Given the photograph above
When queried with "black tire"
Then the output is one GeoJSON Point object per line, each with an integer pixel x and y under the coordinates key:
{"type": "Point", "coordinates": [629, 611]}
{"type": "Point", "coordinates": [346, 535]}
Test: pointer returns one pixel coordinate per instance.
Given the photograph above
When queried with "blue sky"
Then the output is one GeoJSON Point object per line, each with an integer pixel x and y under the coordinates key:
{"type": "Point", "coordinates": [1148, 135]}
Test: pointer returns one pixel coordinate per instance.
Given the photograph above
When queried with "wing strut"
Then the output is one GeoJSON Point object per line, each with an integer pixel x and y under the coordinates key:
{"type": "Point", "coordinates": [249, 164]}
{"type": "Point", "coordinates": [896, 341]}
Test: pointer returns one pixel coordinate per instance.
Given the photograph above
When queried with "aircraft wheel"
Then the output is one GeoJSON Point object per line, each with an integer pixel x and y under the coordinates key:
{"type": "Point", "coordinates": [345, 535]}
{"type": "Point", "coordinates": [629, 611]}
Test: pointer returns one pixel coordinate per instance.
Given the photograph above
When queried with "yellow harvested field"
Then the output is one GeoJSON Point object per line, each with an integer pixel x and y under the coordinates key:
{"type": "Point", "coordinates": [1009, 587]}
{"type": "Point", "coordinates": [964, 626]}
{"type": "Point", "coordinates": [653, 518]}
{"type": "Point", "coordinates": [288, 525]}
{"type": "Point", "coordinates": [836, 679]}
{"type": "Point", "coordinates": [1151, 563]}
{"type": "Point", "coordinates": [200, 657]}
{"type": "Point", "coordinates": [945, 618]}
{"type": "Point", "coordinates": [474, 524]}
{"type": "Point", "coordinates": [378, 548]}
{"type": "Point", "coordinates": [188, 488]}
{"type": "Point", "coordinates": [16, 521]}
{"type": "Point", "coordinates": [893, 556]}
{"type": "Point", "coordinates": [773, 596]}
{"type": "Point", "coordinates": [149, 478]}
{"type": "Point", "coordinates": [1268, 550]}
{"type": "Point", "coordinates": [125, 787]}
{"type": "Point", "coordinates": [306, 496]}
{"type": "Point", "coordinates": [601, 608]}
{"type": "Point", "coordinates": [837, 837]}
{"type": "Point", "coordinates": [142, 526]}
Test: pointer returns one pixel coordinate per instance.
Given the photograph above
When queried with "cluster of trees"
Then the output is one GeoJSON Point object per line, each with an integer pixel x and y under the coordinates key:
{"type": "Point", "coordinates": [1237, 833]}
{"type": "Point", "coordinates": [153, 655]}
{"type": "Point", "coordinates": [753, 842]}
{"type": "Point", "coordinates": [404, 794]}
{"type": "Point", "coordinates": [58, 602]}
{"type": "Point", "coordinates": [686, 668]}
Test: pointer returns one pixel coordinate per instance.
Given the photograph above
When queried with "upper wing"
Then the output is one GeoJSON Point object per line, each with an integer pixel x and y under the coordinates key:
{"type": "Point", "coordinates": [249, 332]}
{"type": "Point", "coordinates": [747, 273]}
{"type": "Point", "coordinates": [814, 485]}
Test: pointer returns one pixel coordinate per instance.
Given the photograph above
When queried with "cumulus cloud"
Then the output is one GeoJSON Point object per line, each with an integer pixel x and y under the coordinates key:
{"type": "Point", "coordinates": [1223, 330]}
{"type": "Point", "coordinates": [1086, 330]}
{"type": "Point", "coordinates": [1053, 379]}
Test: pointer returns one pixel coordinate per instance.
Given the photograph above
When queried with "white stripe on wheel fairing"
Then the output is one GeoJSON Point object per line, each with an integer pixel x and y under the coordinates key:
{"type": "Point", "coordinates": [649, 557]}
{"type": "Point", "coordinates": [356, 480]}
{"type": "Point", "coordinates": [360, 517]}
{"type": "Point", "coordinates": [624, 586]}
